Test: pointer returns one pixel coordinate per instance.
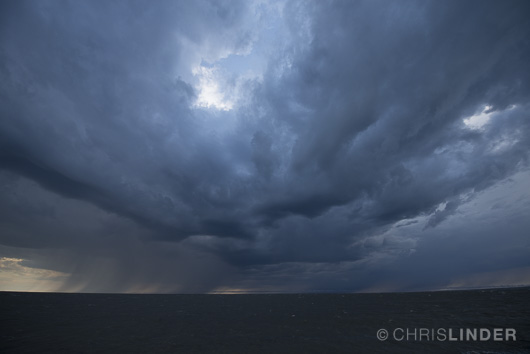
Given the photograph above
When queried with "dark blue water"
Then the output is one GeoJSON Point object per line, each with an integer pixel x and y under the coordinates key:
{"type": "Point", "coordinates": [264, 323]}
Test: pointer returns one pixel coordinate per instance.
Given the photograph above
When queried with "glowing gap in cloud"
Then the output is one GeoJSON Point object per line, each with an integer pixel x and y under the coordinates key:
{"type": "Point", "coordinates": [477, 121]}
{"type": "Point", "coordinates": [211, 91]}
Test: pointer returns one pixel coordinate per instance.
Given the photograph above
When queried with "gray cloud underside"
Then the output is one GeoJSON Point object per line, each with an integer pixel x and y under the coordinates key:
{"type": "Point", "coordinates": [356, 125]}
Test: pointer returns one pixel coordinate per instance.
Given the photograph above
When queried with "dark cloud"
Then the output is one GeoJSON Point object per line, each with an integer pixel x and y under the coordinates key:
{"type": "Point", "coordinates": [354, 132]}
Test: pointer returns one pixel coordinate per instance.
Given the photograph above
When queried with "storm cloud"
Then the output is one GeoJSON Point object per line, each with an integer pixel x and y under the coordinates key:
{"type": "Point", "coordinates": [264, 146]}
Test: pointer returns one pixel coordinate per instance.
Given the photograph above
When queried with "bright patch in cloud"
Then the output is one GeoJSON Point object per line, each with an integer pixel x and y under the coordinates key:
{"type": "Point", "coordinates": [211, 90]}
{"type": "Point", "coordinates": [477, 121]}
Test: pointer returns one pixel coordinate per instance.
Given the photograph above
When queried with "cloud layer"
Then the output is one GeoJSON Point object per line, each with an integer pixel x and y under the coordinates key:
{"type": "Point", "coordinates": [194, 146]}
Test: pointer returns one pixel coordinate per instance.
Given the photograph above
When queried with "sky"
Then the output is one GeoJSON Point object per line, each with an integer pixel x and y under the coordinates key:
{"type": "Point", "coordinates": [264, 146]}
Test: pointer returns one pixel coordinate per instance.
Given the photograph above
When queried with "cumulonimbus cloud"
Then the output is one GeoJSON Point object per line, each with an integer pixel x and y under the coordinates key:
{"type": "Point", "coordinates": [356, 122]}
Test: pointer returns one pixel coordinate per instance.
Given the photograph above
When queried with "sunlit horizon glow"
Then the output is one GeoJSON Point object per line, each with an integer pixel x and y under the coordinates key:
{"type": "Point", "coordinates": [15, 276]}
